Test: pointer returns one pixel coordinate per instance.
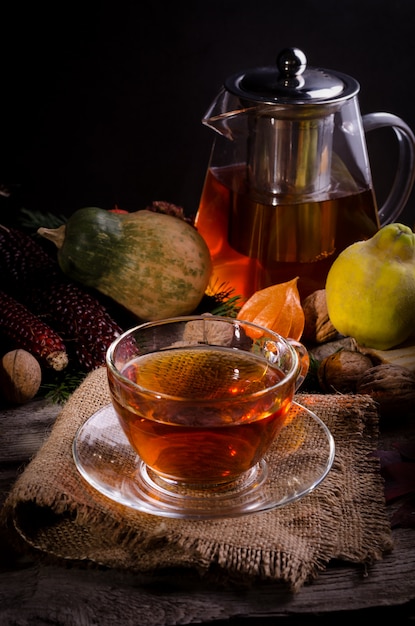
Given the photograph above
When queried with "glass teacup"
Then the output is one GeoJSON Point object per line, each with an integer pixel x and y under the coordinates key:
{"type": "Point", "coordinates": [202, 398]}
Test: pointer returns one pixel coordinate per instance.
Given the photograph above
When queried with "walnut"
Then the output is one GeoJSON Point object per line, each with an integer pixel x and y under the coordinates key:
{"type": "Point", "coordinates": [20, 376]}
{"type": "Point", "coordinates": [323, 350]}
{"type": "Point", "coordinates": [317, 327]}
{"type": "Point", "coordinates": [217, 333]}
{"type": "Point", "coordinates": [340, 371]}
{"type": "Point", "coordinates": [391, 386]}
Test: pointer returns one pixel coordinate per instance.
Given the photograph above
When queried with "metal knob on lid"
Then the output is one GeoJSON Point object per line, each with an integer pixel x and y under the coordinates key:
{"type": "Point", "coordinates": [291, 62]}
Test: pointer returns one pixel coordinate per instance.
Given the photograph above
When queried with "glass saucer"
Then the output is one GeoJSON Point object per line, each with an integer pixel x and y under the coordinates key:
{"type": "Point", "coordinates": [299, 459]}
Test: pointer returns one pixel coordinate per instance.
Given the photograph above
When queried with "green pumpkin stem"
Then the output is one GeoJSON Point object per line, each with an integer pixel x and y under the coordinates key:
{"type": "Point", "coordinates": [57, 235]}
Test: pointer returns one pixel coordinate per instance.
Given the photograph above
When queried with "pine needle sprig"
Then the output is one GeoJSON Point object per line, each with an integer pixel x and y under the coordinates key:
{"type": "Point", "coordinates": [228, 308]}
{"type": "Point", "coordinates": [218, 300]}
{"type": "Point", "coordinates": [32, 219]}
{"type": "Point", "coordinates": [59, 388]}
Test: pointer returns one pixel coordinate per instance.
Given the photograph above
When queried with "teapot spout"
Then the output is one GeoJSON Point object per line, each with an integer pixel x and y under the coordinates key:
{"type": "Point", "coordinates": [225, 115]}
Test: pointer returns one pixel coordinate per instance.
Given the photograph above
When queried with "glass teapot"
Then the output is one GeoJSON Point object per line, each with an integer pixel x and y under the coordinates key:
{"type": "Point", "coordinates": [289, 185]}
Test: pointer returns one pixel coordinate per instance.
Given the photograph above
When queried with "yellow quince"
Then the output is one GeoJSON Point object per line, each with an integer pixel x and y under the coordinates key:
{"type": "Point", "coordinates": [370, 288]}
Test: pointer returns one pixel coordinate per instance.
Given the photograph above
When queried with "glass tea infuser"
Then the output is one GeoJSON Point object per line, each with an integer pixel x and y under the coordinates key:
{"type": "Point", "coordinates": [289, 184]}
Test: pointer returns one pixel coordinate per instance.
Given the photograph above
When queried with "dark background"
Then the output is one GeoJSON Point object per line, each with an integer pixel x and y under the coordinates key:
{"type": "Point", "coordinates": [101, 103]}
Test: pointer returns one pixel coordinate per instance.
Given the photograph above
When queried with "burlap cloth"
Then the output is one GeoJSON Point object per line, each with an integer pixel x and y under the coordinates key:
{"type": "Point", "coordinates": [55, 511]}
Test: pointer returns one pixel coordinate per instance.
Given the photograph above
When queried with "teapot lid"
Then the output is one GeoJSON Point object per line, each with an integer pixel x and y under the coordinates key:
{"type": "Point", "coordinates": [292, 82]}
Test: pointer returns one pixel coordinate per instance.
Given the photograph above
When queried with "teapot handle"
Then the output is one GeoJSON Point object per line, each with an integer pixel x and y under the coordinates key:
{"type": "Point", "coordinates": [405, 173]}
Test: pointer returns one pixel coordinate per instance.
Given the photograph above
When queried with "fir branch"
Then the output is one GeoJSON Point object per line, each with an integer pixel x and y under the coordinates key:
{"type": "Point", "coordinates": [227, 308]}
{"type": "Point", "coordinates": [32, 220]}
{"type": "Point", "coordinates": [218, 300]}
{"type": "Point", "coordinates": [59, 388]}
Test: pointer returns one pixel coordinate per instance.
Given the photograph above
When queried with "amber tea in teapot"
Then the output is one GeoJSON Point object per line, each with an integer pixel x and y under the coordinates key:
{"type": "Point", "coordinates": [240, 262]}
{"type": "Point", "coordinates": [288, 185]}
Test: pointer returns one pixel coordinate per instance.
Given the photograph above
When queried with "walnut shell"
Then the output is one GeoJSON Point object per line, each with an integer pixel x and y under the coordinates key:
{"type": "Point", "coordinates": [324, 350]}
{"type": "Point", "coordinates": [391, 386]}
{"type": "Point", "coordinates": [20, 376]}
{"type": "Point", "coordinates": [216, 333]}
{"type": "Point", "coordinates": [340, 371]}
{"type": "Point", "coordinates": [317, 325]}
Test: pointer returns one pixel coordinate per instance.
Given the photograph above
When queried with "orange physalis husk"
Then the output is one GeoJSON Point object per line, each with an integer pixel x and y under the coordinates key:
{"type": "Point", "coordinates": [277, 308]}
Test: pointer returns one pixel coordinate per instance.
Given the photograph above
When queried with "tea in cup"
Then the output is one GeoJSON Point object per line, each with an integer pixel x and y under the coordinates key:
{"type": "Point", "coordinates": [202, 398]}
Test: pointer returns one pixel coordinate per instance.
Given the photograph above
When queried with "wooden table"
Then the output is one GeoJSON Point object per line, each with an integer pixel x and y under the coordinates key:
{"type": "Point", "coordinates": [39, 591]}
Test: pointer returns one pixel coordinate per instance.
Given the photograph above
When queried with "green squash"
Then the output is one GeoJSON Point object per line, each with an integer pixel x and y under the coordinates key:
{"type": "Point", "coordinates": [155, 265]}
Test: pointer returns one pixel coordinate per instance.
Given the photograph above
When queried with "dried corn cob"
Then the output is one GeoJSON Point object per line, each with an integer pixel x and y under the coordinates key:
{"type": "Point", "coordinates": [28, 332]}
{"type": "Point", "coordinates": [35, 277]}
{"type": "Point", "coordinates": [84, 324]}
{"type": "Point", "coordinates": [23, 260]}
